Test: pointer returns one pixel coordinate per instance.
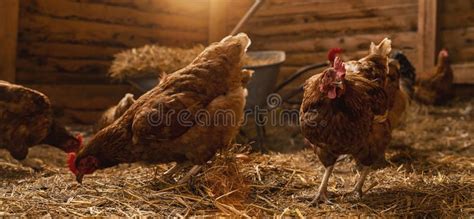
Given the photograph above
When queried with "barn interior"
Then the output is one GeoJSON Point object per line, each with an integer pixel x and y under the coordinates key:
{"type": "Point", "coordinates": [76, 52]}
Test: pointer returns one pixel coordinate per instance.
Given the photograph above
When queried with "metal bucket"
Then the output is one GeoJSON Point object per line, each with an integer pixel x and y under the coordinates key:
{"type": "Point", "coordinates": [260, 86]}
{"type": "Point", "coordinates": [264, 78]}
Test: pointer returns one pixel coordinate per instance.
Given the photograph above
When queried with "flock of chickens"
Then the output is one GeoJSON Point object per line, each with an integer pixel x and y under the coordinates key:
{"type": "Point", "coordinates": [348, 109]}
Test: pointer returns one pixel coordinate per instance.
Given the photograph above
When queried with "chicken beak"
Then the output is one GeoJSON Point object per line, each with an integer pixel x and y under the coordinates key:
{"type": "Point", "coordinates": [79, 177]}
{"type": "Point", "coordinates": [338, 84]}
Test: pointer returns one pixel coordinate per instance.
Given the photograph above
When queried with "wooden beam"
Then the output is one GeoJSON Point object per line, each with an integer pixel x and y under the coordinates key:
{"type": "Point", "coordinates": [463, 73]}
{"type": "Point", "coordinates": [9, 10]}
{"type": "Point", "coordinates": [427, 34]}
{"type": "Point", "coordinates": [217, 20]}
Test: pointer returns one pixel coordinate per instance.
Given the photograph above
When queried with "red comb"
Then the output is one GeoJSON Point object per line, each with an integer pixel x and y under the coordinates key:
{"type": "Point", "coordinates": [71, 161]}
{"type": "Point", "coordinates": [444, 52]}
{"type": "Point", "coordinates": [339, 67]}
{"type": "Point", "coordinates": [332, 54]}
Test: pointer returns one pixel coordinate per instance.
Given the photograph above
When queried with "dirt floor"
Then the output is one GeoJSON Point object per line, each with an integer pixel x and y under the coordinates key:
{"type": "Point", "coordinates": [431, 162]}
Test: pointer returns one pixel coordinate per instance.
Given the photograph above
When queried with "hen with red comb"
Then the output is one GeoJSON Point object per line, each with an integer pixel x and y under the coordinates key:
{"type": "Point", "coordinates": [435, 86]}
{"type": "Point", "coordinates": [343, 113]}
{"type": "Point", "coordinates": [153, 129]}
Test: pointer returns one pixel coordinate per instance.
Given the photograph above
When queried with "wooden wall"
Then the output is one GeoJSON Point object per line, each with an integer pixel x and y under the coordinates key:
{"type": "Point", "coordinates": [66, 46]}
{"type": "Point", "coordinates": [456, 23]}
{"type": "Point", "coordinates": [8, 38]}
{"type": "Point", "coordinates": [307, 29]}
{"type": "Point", "coordinates": [457, 29]}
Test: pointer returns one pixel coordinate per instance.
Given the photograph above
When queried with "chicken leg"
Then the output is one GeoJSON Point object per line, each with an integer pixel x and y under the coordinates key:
{"type": "Point", "coordinates": [360, 181]}
{"type": "Point", "coordinates": [323, 187]}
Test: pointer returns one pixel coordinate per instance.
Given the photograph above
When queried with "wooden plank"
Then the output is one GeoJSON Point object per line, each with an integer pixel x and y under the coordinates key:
{"type": "Point", "coordinates": [345, 13]}
{"type": "Point", "coordinates": [401, 40]}
{"type": "Point", "coordinates": [292, 7]}
{"type": "Point", "coordinates": [191, 8]}
{"type": "Point", "coordinates": [48, 64]}
{"type": "Point", "coordinates": [47, 29]}
{"type": "Point", "coordinates": [67, 50]}
{"type": "Point", "coordinates": [345, 26]}
{"type": "Point", "coordinates": [462, 55]}
{"type": "Point", "coordinates": [457, 38]}
{"type": "Point", "coordinates": [427, 34]}
{"type": "Point", "coordinates": [9, 10]}
{"type": "Point", "coordinates": [464, 73]}
{"type": "Point", "coordinates": [456, 6]}
{"type": "Point", "coordinates": [457, 20]}
{"type": "Point", "coordinates": [103, 13]}
{"type": "Point", "coordinates": [217, 20]}
{"type": "Point", "coordinates": [83, 96]}
{"type": "Point", "coordinates": [36, 77]}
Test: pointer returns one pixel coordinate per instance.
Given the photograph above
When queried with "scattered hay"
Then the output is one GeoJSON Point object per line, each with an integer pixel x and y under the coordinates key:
{"type": "Point", "coordinates": [430, 174]}
{"type": "Point", "coordinates": [224, 181]}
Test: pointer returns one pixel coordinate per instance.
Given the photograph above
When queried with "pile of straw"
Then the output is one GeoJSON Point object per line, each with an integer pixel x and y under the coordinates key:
{"type": "Point", "coordinates": [151, 60]}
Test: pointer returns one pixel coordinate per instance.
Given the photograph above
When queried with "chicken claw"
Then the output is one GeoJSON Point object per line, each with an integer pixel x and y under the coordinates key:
{"type": "Point", "coordinates": [357, 191]}
{"type": "Point", "coordinates": [323, 188]}
{"type": "Point", "coordinates": [320, 197]}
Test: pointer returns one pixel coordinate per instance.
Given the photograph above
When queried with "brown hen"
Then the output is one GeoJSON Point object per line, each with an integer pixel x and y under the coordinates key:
{"type": "Point", "coordinates": [436, 87]}
{"type": "Point", "coordinates": [344, 112]}
{"type": "Point", "coordinates": [398, 98]}
{"type": "Point", "coordinates": [26, 120]}
{"type": "Point", "coordinates": [186, 118]}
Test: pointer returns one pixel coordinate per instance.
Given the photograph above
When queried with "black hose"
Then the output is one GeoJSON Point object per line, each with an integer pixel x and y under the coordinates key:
{"type": "Point", "coordinates": [298, 73]}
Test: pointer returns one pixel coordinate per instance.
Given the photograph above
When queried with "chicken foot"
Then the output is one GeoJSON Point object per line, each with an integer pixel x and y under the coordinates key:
{"type": "Point", "coordinates": [357, 191]}
{"type": "Point", "coordinates": [193, 171]}
{"type": "Point", "coordinates": [323, 187]}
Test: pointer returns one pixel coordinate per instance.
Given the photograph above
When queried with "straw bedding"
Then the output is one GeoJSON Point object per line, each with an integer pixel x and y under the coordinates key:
{"type": "Point", "coordinates": [429, 174]}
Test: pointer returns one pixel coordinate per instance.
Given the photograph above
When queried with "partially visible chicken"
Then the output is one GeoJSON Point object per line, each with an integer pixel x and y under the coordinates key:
{"type": "Point", "coordinates": [398, 99]}
{"type": "Point", "coordinates": [113, 113]}
{"type": "Point", "coordinates": [437, 86]}
{"type": "Point", "coordinates": [344, 112]}
{"type": "Point", "coordinates": [186, 118]}
{"type": "Point", "coordinates": [374, 66]}
{"type": "Point", "coordinates": [407, 73]}
{"type": "Point", "coordinates": [26, 120]}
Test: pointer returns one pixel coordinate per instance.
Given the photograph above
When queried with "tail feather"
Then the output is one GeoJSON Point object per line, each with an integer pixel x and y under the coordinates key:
{"type": "Point", "coordinates": [407, 73]}
{"type": "Point", "coordinates": [382, 49]}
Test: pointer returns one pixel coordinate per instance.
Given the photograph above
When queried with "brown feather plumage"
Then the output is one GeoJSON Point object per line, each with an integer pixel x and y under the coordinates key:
{"type": "Point", "coordinates": [150, 130]}
{"type": "Point", "coordinates": [26, 120]}
{"type": "Point", "coordinates": [436, 86]}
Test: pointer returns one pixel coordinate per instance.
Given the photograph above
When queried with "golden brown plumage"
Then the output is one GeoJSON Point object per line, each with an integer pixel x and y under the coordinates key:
{"type": "Point", "coordinates": [341, 125]}
{"type": "Point", "coordinates": [26, 120]}
{"type": "Point", "coordinates": [344, 112]}
{"type": "Point", "coordinates": [152, 131]}
{"type": "Point", "coordinates": [436, 86]}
